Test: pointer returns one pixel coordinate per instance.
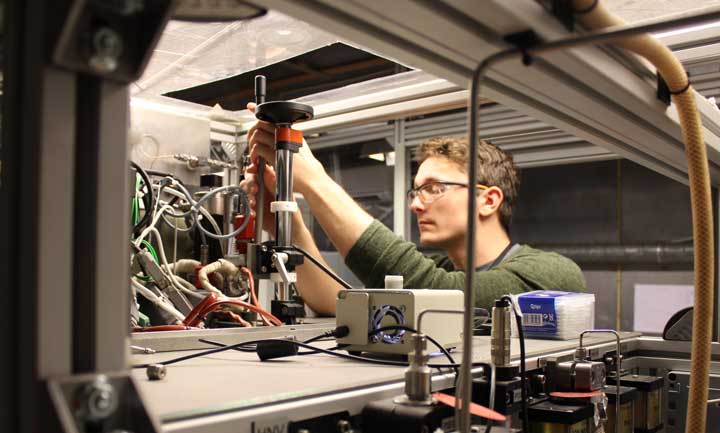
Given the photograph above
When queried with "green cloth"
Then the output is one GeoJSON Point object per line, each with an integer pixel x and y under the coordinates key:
{"type": "Point", "coordinates": [380, 252]}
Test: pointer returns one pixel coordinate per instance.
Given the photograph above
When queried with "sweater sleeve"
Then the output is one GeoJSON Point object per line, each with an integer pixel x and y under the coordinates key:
{"type": "Point", "coordinates": [379, 252]}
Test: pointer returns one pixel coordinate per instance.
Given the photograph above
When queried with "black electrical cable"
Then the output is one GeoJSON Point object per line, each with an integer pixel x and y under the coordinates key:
{"type": "Point", "coordinates": [324, 268]}
{"type": "Point", "coordinates": [164, 174]}
{"type": "Point", "coordinates": [318, 337]}
{"type": "Point", "coordinates": [239, 349]}
{"type": "Point", "coordinates": [413, 330]}
{"type": "Point", "coordinates": [215, 343]}
{"type": "Point", "coordinates": [148, 200]}
{"type": "Point", "coordinates": [521, 335]}
{"type": "Point", "coordinates": [297, 343]}
{"type": "Point", "coordinates": [300, 344]}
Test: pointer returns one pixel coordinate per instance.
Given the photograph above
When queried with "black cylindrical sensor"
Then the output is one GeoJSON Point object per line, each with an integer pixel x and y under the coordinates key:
{"type": "Point", "coordinates": [260, 89]}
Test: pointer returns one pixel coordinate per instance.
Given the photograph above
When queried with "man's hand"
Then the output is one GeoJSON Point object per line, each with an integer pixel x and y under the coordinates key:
{"type": "Point", "coordinates": [251, 188]}
{"type": "Point", "coordinates": [261, 140]}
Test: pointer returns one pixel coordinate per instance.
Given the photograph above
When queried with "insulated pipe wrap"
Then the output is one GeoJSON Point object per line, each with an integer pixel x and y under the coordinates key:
{"type": "Point", "coordinates": [702, 217]}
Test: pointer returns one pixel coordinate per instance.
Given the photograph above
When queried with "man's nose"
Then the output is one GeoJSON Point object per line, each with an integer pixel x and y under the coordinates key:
{"type": "Point", "coordinates": [416, 205]}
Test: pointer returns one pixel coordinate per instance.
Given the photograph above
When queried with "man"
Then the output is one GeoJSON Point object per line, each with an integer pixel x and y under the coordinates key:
{"type": "Point", "coordinates": [440, 201]}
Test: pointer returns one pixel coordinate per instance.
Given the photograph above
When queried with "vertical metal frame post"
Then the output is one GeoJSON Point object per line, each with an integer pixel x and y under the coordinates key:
{"type": "Point", "coordinates": [101, 231]}
{"type": "Point", "coordinates": [113, 231]}
{"type": "Point", "coordinates": [400, 183]}
{"type": "Point", "coordinates": [36, 215]}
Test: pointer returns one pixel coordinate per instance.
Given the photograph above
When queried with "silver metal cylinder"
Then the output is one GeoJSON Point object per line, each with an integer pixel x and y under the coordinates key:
{"type": "Point", "coordinates": [260, 202]}
{"type": "Point", "coordinates": [500, 334]}
{"type": "Point", "coordinates": [417, 376]}
{"type": "Point", "coordinates": [282, 291]}
{"type": "Point", "coordinates": [283, 185]}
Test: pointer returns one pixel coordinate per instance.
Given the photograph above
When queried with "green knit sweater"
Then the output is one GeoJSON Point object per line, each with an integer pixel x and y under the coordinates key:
{"type": "Point", "coordinates": [380, 252]}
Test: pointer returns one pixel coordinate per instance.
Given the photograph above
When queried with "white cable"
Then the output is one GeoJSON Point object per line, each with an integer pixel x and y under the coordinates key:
{"type": "Point", "coordinates": [152, 225]}
{"type": "Point", "coordinates": [186, 266]}
{"type": "Point", "coordinates": [156, 300]}
{"type": "Point", "coordinates": [189, 289]}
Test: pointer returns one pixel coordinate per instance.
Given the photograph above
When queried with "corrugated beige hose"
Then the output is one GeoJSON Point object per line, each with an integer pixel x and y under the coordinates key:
{"type": "Point", "coordinates": [702, 216]}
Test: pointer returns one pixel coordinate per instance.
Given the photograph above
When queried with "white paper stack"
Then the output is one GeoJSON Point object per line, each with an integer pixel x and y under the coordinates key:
{"type": "Point", "coordinates": [556, 315]}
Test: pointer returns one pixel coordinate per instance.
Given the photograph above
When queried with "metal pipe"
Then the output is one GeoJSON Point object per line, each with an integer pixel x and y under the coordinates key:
{"type": "Point", "coordinates": [618, 368]}
{"type": "Point", "coordinates": [649, 254]}
{"type": "Point", "coordinates": [283, 219]}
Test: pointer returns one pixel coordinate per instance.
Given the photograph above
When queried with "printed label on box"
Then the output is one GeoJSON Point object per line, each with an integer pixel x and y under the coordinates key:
{"type": "Point", "coordinates": [539, 315]}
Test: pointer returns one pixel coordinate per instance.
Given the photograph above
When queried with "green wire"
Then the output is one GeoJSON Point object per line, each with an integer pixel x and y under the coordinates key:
{"type": "Point", "coordinates": [152, 250]}
{"type": "Point", "coordinates": [135, 208]}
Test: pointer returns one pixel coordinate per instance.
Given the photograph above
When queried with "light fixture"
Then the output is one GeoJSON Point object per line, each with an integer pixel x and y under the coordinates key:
{"type": "Point", "coordinates": [387, 157]}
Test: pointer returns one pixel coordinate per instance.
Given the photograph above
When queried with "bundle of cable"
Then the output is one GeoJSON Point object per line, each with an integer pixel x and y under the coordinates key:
{"type": "Point", "coordinates": [556, 315]}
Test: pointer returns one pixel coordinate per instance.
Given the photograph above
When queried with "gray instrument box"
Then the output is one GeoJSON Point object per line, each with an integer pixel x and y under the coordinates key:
{"type": "Point", "coordinates": [368, 309]}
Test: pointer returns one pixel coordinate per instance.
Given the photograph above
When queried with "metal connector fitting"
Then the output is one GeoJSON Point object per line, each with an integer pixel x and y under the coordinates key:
{"type": "Point", "coordinates": [156, 371]}
{"type": "Point", "coordinates": [417, 375]}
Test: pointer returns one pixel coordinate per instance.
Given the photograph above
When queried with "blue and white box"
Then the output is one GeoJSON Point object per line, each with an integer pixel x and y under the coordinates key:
{"type": "Point", "coordinates": [556, 315]}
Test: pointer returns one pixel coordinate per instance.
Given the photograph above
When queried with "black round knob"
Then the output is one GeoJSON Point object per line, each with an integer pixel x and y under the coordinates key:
{"type": "Point", "coordinates": [284, 112]}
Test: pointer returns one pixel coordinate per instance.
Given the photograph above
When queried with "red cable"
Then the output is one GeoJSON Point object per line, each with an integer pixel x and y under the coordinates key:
{"type": "Point", "coordinates": [163, 328]}
{"type": "Point", "coordinates": [253, 295]}
{"type": "Point", "coordinates": [229, 315]}
{"type": "Point", "coordinates": [243, 304]}
{"type": "Point", "coordinates": [194, 317]}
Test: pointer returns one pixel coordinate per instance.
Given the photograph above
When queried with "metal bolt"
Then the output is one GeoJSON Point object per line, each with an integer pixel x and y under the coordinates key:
{"type": "Point", "coordinates": [263, 248]}
{"type": "Point", "coordinates": [156, 371]}
{"type": "Point", "coordinates": [99, 400]}
{"type": "Point", "coordinates": [106, 49]}
{"type": "Point", "coordinates": [263, 268]}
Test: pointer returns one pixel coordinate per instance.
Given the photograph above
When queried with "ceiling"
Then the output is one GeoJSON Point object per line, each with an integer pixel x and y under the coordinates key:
{"type": "Point", "coordinates": [191, 55]}
{"type": "Point", "coordinates": [325, 68]}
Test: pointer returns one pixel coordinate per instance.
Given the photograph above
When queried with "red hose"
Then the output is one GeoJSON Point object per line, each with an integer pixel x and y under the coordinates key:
{"type": "Point", "coordinates": [253, 295]}
{"type": "Point", "coordinates": [242, 304]}
{"type": "Point", "coordinates": [195, 315]}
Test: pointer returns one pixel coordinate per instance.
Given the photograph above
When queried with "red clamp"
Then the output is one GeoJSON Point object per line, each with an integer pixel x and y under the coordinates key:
{"type": "Point", "coordinates": [288, 138]}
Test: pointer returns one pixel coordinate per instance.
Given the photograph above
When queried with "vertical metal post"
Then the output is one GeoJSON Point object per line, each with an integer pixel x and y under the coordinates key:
{"type": "Point", "coordinates": [283, 219]}
{"type": "Point", "coordinates": [55, 225]}
{"type": "Point", "coordinates": [400, 183]}
{"type": "Point", "coordinates": [101, 280]}
{"type": "Point", "coordinates": [27, 209]}
{"type": "Point", "coordinates": [113, 213]}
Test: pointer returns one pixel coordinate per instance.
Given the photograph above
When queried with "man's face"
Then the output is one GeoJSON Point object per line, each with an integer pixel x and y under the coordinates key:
{"type": "Point", "coordinates": [442, 219]}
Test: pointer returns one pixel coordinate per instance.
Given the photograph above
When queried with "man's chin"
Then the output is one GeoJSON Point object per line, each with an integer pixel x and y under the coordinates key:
{"type": "Point", "coordinates": [430, 241]}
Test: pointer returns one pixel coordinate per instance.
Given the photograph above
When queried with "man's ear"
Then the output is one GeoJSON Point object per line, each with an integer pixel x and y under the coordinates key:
{"type": "Point", "coordinates": [489, 201]}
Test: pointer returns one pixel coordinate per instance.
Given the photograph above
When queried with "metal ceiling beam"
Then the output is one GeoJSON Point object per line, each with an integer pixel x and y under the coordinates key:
{"type": "Point", "coordinates": [585, 91]}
